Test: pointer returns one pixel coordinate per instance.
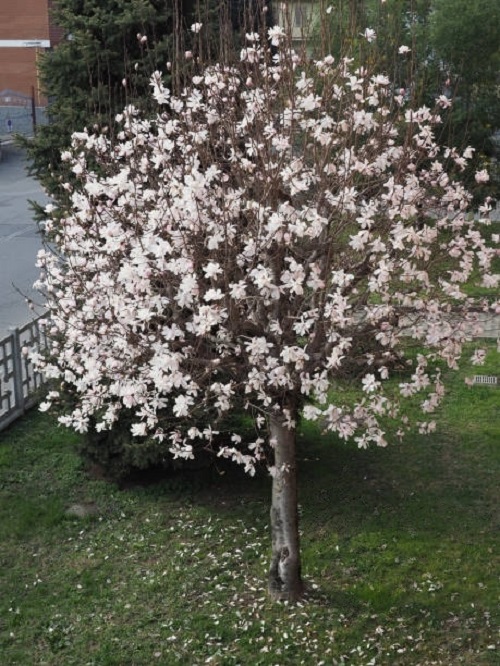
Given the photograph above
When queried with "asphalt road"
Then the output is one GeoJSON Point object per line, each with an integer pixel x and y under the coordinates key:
{"type": "Point", "coordinates": [19, 240]}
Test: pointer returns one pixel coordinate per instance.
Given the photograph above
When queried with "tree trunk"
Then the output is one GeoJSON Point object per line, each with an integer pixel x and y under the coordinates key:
{"type": "Point", "coordinates": [285, 582]}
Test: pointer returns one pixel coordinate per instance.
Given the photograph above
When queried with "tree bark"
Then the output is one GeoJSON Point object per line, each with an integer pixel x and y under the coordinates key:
{"type": "Point", "coordinates": [285, 581]}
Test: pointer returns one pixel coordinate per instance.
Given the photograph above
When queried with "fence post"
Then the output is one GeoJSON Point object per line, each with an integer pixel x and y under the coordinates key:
{"type": "Point", "coordinates": [18, 379]}
{"type": "Point", "coordinates": [33, 109]}
{"type": "Point", "coordinates": [17, 365]}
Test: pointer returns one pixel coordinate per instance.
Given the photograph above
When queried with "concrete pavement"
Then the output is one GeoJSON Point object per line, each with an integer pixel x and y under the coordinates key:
{"type": "Point", "coordinates": [19, 239]}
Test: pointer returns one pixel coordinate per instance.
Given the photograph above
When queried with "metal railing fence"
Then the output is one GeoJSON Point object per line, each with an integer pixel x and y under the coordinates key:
{"type": "Point", "coordinates": [19, 381]}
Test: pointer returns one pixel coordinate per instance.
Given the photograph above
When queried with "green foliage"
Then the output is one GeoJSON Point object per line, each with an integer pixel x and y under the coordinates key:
{"type": "Point", "coordinates": [102, 65]}
{"type": "Point", "coordinates": [395, 22]}
{"type": "Point", "coordinates": [455, 50]}
{"type": "Point", "coordinates": [119, 456]}
{"type": "Point", "coordinates": [464, 38]}
{"type": "Point", "coordinates": [98, 68]}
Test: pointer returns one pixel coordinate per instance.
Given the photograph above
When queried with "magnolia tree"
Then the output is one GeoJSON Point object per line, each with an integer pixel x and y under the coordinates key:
{"type": "Point", "coordinates": [276, 223]}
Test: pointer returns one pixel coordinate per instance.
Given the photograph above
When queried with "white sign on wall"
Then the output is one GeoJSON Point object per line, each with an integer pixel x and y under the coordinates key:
{"type": "Point", "coordinates": [25, 43]}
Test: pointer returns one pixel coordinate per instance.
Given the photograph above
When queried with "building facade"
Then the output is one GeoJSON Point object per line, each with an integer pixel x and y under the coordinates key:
{"type": "Point", "coordinates": [26, 30]}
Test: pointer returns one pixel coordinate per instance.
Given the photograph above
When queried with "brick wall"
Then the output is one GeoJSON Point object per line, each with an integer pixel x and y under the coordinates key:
{"type": "Point", "coordinates": [56, 33]}
{"type": "Point", "coordinates": [24, 20]}
{"type": "Point", "coordinates": [18, 71]}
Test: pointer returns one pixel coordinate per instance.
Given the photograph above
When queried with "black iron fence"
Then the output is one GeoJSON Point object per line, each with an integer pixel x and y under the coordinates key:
{"type": "Point", "coordinates": [19, 382]}
{"type": "Point", "coordinates": [19, 114]}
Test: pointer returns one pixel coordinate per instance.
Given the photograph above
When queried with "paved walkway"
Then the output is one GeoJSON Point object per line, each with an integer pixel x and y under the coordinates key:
{"type": "Point", "coordinates": [491, 325]}
{"type": "Point", "coordinates": [19, 239]}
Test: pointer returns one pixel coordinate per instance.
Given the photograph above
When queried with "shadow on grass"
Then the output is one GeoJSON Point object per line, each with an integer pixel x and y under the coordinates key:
{"type": "Point", "coordinates": [413, 487]}
{"type": "Point", "coordinates": [386, 515]}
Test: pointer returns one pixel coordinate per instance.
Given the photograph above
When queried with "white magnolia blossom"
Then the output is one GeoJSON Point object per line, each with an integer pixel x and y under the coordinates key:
{"type": "Point", "coordinates": [370, 35]}
{"type": "Point", "coordinates": [251, 243]}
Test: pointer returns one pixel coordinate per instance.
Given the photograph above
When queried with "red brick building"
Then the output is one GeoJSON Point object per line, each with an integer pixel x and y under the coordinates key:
{"type": "Point", "coordinates": [26, 29]}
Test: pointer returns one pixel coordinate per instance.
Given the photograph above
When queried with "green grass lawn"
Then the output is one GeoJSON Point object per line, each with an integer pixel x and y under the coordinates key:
{"type": "Point", "coordinates": [400, 552]}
